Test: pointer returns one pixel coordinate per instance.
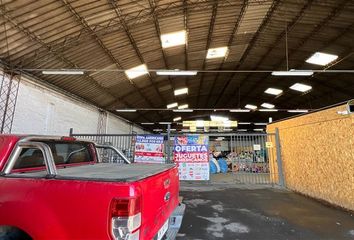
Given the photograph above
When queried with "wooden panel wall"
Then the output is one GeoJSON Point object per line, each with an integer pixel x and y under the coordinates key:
{"type": "Point", "coordinates": [318, 155]}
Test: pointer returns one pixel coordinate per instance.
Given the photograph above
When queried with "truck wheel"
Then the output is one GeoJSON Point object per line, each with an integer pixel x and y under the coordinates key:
{"type": "Point", "coordinates": [14, 234]}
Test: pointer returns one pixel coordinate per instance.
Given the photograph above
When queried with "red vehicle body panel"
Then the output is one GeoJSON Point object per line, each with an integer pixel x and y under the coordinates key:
{"type": "Point", "coordinates": [7, 143]}
{"type": "Point", "coordinates": [80, 209]}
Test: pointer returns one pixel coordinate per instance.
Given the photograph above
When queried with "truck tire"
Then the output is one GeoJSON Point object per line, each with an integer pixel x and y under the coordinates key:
{"type": "Point", "coordinates": [14, 234]}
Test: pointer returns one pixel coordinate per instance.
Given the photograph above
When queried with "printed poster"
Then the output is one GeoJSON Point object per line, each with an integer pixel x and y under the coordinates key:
{"type": "Point", "coordinates": [149, 149]}
{"type": "Point", "coordinates": [191, 155]}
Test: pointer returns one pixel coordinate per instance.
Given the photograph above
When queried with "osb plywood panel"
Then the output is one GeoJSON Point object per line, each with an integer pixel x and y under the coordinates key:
{"type": "Point", "coordinates": [318, 155]}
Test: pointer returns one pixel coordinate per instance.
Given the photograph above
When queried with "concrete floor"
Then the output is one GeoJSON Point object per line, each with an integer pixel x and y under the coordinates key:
{"type": "Point", "coordinates": [216, 211]}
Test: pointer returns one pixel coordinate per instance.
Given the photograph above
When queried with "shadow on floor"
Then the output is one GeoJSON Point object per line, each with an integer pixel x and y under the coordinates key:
{"type": "Point", "coordinates": [219, 212]}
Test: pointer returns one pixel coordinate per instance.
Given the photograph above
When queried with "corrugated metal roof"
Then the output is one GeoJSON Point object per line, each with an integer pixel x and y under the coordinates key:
{"type": "Point", "coordinates": [111, 35]}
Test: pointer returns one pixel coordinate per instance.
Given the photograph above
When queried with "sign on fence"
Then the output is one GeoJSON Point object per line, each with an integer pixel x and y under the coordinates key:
{"type": "Point", "coordinates": [192, 157]}
{"type": "Point", "coordinates": [149, 149]}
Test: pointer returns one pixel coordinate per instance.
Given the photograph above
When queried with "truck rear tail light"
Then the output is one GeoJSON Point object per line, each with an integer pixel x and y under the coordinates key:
{"type": "Point", "coordinates": [125, 218]}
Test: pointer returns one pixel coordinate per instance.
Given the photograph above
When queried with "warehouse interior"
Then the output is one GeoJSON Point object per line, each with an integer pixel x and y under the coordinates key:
{"type": "Point", "coordinates": [269, 82]}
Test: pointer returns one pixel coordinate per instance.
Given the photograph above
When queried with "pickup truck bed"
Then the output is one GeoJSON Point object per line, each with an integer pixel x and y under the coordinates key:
{"type": "Point", "coordinates": [108, 172]}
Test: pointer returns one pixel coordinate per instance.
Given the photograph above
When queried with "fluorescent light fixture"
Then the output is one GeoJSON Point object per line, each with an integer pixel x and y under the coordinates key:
{"type": "Point", "coordinates": [267, 105]}
{"type": "Point", "coordinates": [322, 59]}
{"type": "Point", "coordinates": [273, 91]}
{"type": "Point", "coordinates": [164, 123]}
{"type": "Point", "coordinates": [268, 110]}
{"type": "Point", "coordinates": [147, 123]}
{"type": "Point", "coordinates": [239, 110]}
{"type": "Point", "coordinates": [176, 73]}
{"type": "Point", "coordinates": [157, 130]}
{"type": "Point", "coordinates": [63, 72]}
{"type": "Point", "coordinates": [172, 105]}
{"type": "Point", "coordinates": [181, 91]}
{"type": "Point", "coordinates": [244, 123]}
{"type": "Point", "coordinates": [216, 52]}
{"type": "Point", "coordinates": [184, 106]}
{"type": "Point", "coordinates": [177, 119]}
{"type": "Point", "coordinates": [136, 71]}
{"type": "Point", "coordinates": [301, 87]}
{"type": "Point", "coordinates": [258, 129]}
{"type": "Point", "coordinates": [199, 123]}
{"type": "Point", "coordinates": [182, 110]}
{"type": "Point", "coordinates": [293, 73]}
{"type": "Point", "coordinates": [260, 124]}
{"type": "Point", "coordinates": [250, 106]}
{"type": "Point", "coordinates": [126, 110]}
{"type": "Point", "coordinates": [242, 130]}
{"type": "Point", "coordinates": [173, 39]}
{"type": "Point", "coordinates": [218, 118]}
{"type": "Point", "coordinates": [173, 129]}
{"type": "Point", "coordinates": [298, 111]}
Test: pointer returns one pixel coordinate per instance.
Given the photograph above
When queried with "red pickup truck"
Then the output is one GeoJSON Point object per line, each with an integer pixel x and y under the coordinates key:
{"type": "Point", "coordinates": [56, 188]}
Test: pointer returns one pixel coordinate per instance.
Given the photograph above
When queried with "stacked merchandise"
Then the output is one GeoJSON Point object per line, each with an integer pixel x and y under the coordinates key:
{"type": "Point", "coordinates": [249, 161]}
{"type": "Point", "coordinates": [217, 163]}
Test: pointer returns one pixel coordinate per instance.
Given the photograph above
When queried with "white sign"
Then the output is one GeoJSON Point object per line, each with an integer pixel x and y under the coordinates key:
{"type": "Point", "coordinates": [256, 147]}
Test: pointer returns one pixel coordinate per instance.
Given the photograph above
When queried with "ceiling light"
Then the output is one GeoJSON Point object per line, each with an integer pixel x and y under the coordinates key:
{"type": "Point", "coordinates": [147, 123]}
{"type": "Point", "coordinates": [182, 110]}
{"type": "Point", "coordinates": [216, 52]}
{"type": "Point", "coordinates": [177, 119]}
{"type": "Point", "coordinates": [250, 106]}
{"type": "Point", "coordinates": [181, 91]}
{"type": "Point", "coordinates": [199, 123]}
{"type": "Point", "coordinates": [273, 91]}
{"type": "Point", "coordinates": [239, 110]}
{"type": "Point", "coordinates": [176, 73]}
{"type": "Point", "coordinates": [218, 118]}
{"type": "Point", "coordinates": [298, 111]}
{"type": "Point", "coordinates": [173, 39]}
{"type": "Point", "coordinates": [267, 105]}
{"type": "Point", "coordinates": [300, 87]}
{"type": "Point", "coordinates": [136, 71]}
{"type": "Point", "coordinates": [259, 124]}
{"type": "Point", "coordinates": [172, 105]}
{"type": "Point", "coordinates": [62, 72]}
{"type": "Point", "coordinates": [242, 130]}
{"type": "Point", "coordinates": [258, 129]}
{"type": "Point", "coordinates": [126, 110]}
{"type": "Point", "coordinates": [184, 106]}
{"type": "Point", "coordinates": [157, 130]}
{"type": "Point", "coordinates": [293, 73]}
{"type": "Point", "coordinates": [244, 123]}
{"type": "Point", "coordinates": [268, 110]}
{"type": "Point", "coordinates": [322, 59]}
{"type": "Point", "coordinates": [164, 123]}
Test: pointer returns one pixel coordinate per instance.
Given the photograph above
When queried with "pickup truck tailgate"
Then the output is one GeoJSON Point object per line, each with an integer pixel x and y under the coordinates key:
{"type": "Point", "coordinates": [159, 199]}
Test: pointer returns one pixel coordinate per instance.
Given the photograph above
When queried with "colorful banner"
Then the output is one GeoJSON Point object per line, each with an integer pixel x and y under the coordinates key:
{"type": "Point", "coordinates": [191, 155]}
{"type": "Point", "coordinates": [149, 149]}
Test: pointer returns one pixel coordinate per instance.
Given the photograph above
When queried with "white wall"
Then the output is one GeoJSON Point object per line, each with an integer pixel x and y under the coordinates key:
{"type": "Point", "coordinates": [40, 110]}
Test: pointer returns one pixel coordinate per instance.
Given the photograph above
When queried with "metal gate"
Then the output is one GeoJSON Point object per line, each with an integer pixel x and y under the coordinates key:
{"type": "Point", "coordinates": [252, 158]}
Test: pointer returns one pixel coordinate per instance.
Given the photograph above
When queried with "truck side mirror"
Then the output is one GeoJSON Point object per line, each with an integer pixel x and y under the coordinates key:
{"type": "Point", "coordinates": [350, 106]}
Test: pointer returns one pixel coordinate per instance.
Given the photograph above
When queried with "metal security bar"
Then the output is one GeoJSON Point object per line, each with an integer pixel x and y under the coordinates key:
{"type": "Point", "coordinates": [250, 157]}
{"type": "Point", "coordinates": [123, 142]}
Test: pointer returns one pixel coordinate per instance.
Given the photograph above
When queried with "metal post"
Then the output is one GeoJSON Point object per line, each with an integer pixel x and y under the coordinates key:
{"type": "Point", "coordinates": [168, 143]}
{"type": "Point", "coordinates": [71, 132]}
{"type": "Point", "coordinates": [279, 159]}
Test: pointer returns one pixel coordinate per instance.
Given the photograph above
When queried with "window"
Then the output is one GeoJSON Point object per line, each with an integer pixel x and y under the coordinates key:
{"type": "Point", "coordinates": [63, 153]}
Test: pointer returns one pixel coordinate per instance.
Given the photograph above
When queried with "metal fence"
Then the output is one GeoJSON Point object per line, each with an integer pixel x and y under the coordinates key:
{"type": "Point", "coordinates": [123, 142]}
{"type": "Point", "coordinates": [252, 158]}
